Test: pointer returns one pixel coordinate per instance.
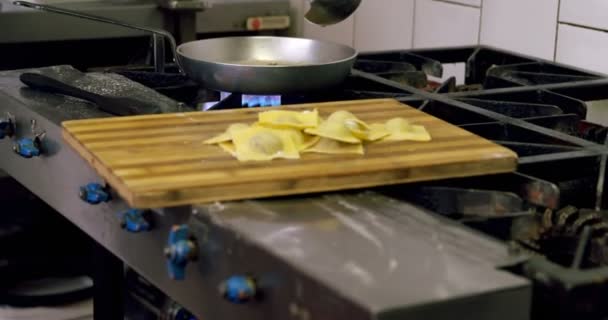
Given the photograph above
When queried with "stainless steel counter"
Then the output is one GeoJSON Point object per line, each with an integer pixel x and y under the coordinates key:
{"type": "Point", "coordinates": [359, 256]}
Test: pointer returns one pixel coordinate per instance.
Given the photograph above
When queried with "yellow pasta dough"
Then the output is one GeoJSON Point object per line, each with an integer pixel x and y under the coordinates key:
{"type": "Point", "coordinates": [289, 119]}
{"type": "Point", "coordinates": [402, 130]}
{"type": "Point", "coordinates": [259, 144]}
{"type": "Point", "coordinates": [329, 146]}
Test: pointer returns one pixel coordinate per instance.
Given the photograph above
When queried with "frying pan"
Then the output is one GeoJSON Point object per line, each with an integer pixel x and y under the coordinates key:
{"type": "Point", "coordinates": [250, 65]}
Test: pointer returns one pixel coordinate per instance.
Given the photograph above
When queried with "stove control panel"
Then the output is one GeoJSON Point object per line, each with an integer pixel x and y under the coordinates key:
{"type": "Point", "coordinates": [194, 5]}
{"type": "Point", "coordinates": [180, 250]}
{"type": "Point", "coordinates": [268, 23]}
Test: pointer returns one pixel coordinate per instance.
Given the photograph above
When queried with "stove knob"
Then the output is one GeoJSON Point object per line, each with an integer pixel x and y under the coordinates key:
{"type": "Point", "coordinates": [94, 193]}
{"type": "Point", "coordinates": [28, 148]}
{"type": "Point", "coordinates": [177, 312]}
{"type": "Point", "coordinates": [239, 289]}
{"type": "Point", "coordinates": [180, 250]}
{"type": "Point", "coordinates": [7, 128]}
{"type": "Point", "coordinates": [136, 220]}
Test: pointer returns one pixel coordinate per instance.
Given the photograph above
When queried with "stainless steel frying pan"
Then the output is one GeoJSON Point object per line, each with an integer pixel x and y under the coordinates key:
{"type": "Point", "coordinates": [251, 65]}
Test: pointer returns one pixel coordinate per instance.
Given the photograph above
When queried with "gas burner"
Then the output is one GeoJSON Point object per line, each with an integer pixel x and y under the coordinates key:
{"type": "Point", "coordinates": [236, 100]}
{"type": "Point", "coordinates": [251, 101]}
{"type": "Point", "coordinates": [557, 235]}
{"type": "Point", "coordinates": [569, 262]}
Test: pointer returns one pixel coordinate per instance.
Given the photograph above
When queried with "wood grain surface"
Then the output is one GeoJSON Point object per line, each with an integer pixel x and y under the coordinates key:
{"type": "Point", "coordinates": [160, 160]}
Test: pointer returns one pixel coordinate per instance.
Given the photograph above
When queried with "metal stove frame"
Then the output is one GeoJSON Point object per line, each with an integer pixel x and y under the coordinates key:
{"type": "Point", "coordinates": [566, 141]}
{"type": "Point", "coordinates": [545, 148]}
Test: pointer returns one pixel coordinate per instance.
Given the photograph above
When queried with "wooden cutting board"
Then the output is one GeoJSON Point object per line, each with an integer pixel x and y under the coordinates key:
{"type": "Point", "coordinates": [159, 160]}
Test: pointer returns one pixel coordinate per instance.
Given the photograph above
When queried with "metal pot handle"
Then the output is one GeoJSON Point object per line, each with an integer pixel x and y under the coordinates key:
{"type": "Point", "coordinates": [157, 33]}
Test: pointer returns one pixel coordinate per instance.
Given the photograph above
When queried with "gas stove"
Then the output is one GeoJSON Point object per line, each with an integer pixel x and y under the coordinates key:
{"type": "Point", "coordinates": [524, 245]}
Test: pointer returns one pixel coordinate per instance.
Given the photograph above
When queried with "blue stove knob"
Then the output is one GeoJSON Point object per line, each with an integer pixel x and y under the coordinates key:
{"type": "Point", "coordinates": [94, 193]}
{"type": "Point", "coordinates": [239, 289]}
{"type": "Point", "coordinates": [180, 250]}
{"type": "Point", "coordinates": [28, 148]}
{"type": "Point", "coordinates": [179, 313]}
{"type": "Point", "coordinates": [7, 128]}
{"type": "Point", "coordinates": [136, 220]}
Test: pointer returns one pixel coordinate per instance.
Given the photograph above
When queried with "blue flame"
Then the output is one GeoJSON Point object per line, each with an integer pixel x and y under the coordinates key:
{"type": "Point", "coordinates": [261, 101]}
{"type": "Point", "coordinates": [247, 101]}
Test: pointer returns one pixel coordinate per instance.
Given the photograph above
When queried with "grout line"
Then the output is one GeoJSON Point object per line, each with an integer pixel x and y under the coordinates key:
{"type": "Point", "coordinates": [459, 3]}
{"type": "Point", "coordinates": [582, 26]}
{"type": "Point", "coordinates": [559, 8]}
{"type": "Point", "coordinates": [480, 21]}
{"type": "Point", "coordinates": [414, 24]}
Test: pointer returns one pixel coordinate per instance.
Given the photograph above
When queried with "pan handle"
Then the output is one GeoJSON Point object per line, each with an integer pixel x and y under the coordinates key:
{"type": "Point", "coordinates": [158, 32]}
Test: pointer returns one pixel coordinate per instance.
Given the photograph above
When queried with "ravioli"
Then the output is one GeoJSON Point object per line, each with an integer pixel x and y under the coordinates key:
{"type": "Point", "coordinates": [229, 147]}
{"type": "Point", "coordinates": [286, 134]}
{"type": "Point", "coordinates": [289, 119]}
{"type": "Point", "coordinates": [358, 128]}
{"type": "Point", "coordinates": [300, 139]}
{"type": "Point", "coordinates": [227, 135]}
{"type": "Point", "coordinates": [337, 127]}
{"type": "Point", "coordinates": [373, 132]}
{"type": "Point", "coordinates": [335, 131]}
{"type": "Point", "coordinates": [261, 144]}
{"type": "Point", "coordinates": [402, 130]}
{"type": "Point", "coordinates": [341, 115]}
{"type": "Point", "coordinates": [330, 146]}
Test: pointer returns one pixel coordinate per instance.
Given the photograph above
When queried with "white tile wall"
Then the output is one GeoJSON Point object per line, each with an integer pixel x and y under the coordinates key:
{"type": "Point", "coordinates": [582, 47]}
{"type": "Point", "coordinates": [442, 24]}
{"type": "Point", "coordinates": [597, 112]}
{"type": "Point", "coordinates": [384, 25]}
{"type": "Point", "coordinates": [591, 13]}
{"type": "Point", "coordinates": [526, 26]}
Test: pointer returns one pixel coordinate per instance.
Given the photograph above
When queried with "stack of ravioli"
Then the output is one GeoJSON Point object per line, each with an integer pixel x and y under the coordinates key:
{"type": "Point", "coordinates": [288, 134]}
